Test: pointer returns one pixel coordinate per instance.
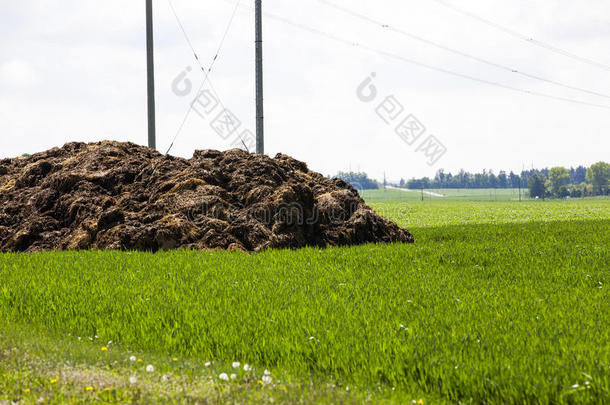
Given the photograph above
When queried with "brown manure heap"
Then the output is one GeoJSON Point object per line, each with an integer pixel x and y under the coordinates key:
{"type": "Point", "coordinates": [112, 195]}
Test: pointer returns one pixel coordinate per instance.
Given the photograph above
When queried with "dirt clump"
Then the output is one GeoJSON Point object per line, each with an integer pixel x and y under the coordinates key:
{"type": "Point", "coordinates": [112, 195]}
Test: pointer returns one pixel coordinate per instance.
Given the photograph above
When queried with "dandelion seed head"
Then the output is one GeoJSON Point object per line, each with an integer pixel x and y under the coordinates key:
{"type": "Point", "coordinates": [267, 372]}
{"type": "Point", "coordinates": [266, 379]}
{"type": "Point", "coordinates": [133, 379]}
{"type": "Point", "coordinates": [150, 368]}
{"type": "Point", "coordinates": [236, 364]}
{"type": "Point", "coordinates": [132, 358]}
{"type": "Point", "coordinates": [247, 367]}
{"type": "Point", "coordinates": [233, 376]}
{"type": "Point", "coordinates": [224, 376]}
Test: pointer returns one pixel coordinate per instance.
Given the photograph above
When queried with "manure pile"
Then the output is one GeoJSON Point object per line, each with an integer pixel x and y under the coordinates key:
{"type": "Point", "coordinates": [112, 195]}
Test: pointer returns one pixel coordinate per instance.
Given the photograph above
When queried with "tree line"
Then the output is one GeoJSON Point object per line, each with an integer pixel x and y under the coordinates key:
{"type": "Point", "coordinates": [555, 182]}
{"type": "Point", "coordinates": [559, 182]}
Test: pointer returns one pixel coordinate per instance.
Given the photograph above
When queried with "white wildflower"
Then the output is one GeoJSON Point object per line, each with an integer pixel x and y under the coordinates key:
{"type": "Point", "coordinates": [233, 376]}
{"type": "Point", "coordinates": [150, 368]}
{"type": "Point", "coordinates": [266, 379]}
{"type": "Point", "coordinates": [267, 372]}
{"type": "Point", "coordinates": [132, 358]}
{"type": "Point", "coordinates": [247, 367]}
{"type": "Point", "coordinates": [224, 377]}
{"type": "Point", "coordinates": [133, 380]}
{"type": "Point", "coordinates": [208, 363]}
{"type": "Point", "coordinates": [236, 364]}
{"type": "Point", "coordinates": [164, 378]}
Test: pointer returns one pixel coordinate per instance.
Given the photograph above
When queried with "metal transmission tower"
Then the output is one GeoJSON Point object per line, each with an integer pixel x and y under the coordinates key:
{"type": "Point", "coordinates": [151, 75]}
{"type": "Point", "coordinates": [260, 126]}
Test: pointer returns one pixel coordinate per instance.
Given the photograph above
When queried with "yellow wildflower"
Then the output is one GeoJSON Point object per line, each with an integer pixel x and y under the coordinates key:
{"type": "Point", "coordinates": [53, 381]}
{"type": "Point", "coordinates": [89, 388]}
{"type": "Point", "coordinates": [104, 349]}
{"type": "Point", "coordinates": [26, 390]}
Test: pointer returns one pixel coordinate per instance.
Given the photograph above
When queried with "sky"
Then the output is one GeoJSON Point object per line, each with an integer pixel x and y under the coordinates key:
{"type": "Point", "coordinates": [340, 90]}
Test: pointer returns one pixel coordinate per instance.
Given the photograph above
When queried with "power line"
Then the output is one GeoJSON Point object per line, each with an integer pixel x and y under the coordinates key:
{"type": "Point", "coordinates": [523, 37]}
{"type": "Point", "coordinates": [420, 64]}
{"type": "Point", "coordinates": [203, 70]}
{"type": "Point", "coordinates": [458, 52]}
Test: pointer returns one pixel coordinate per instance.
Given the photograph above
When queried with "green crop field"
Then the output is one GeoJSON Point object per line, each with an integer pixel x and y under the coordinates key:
{"type": "Point", "coordinates": [497, 302]}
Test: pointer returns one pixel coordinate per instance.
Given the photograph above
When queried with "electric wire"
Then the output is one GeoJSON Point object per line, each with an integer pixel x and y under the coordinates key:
{"type": "Point", "coordinates": [397, 57]}
{"type": "Point", "coordinates": [457, 52]}
{"type": "Point", "coordinates": [206, 72]}
{"type": "Point", "coordinates": [523, 37]}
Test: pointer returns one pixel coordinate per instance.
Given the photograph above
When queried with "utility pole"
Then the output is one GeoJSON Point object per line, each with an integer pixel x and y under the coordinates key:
{"type": "Point", "coordinates": [150, 61]}
{"type": "Point", "coordinates": [260, 126]}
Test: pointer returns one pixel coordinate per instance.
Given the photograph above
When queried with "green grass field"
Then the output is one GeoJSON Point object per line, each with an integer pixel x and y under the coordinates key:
{"type": "Point", "coordinates": [453, 194]}
{"type": "Point", "coordinates": [497, 302]}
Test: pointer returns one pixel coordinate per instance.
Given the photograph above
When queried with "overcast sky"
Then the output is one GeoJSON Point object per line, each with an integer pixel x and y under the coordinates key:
{"type": "Point", "coordinates": [76, 71]}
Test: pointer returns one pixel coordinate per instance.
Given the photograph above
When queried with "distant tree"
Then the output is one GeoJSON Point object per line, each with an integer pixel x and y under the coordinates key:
{"type": "Point", "coordinates": [564, 191]}
{"type": "Point", "coordinates": [416, 184]}
{"type": "Point", "coordinates": [578, 175]}
{"type": "Point", "coordinates": [480, 179]}
{"type": "Point", "coordinates": [536, 185]}
{"type": "Point", "coordinates": [503, 180]}
{"type": "Point", "coordinates": [576, 191]}
{"type": "Point", "coordinates": [599, 175]}
{"type": "Point", "coordinates": [402, 182]}
{"type": "Point", "coordinates": [493, 181]}
{"type": "Point", "coordinates": [514, 180]}
{"type": "Point", "coordinates": [439, 179]}
{"type": "Point", "coordinates": [558, 176]}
